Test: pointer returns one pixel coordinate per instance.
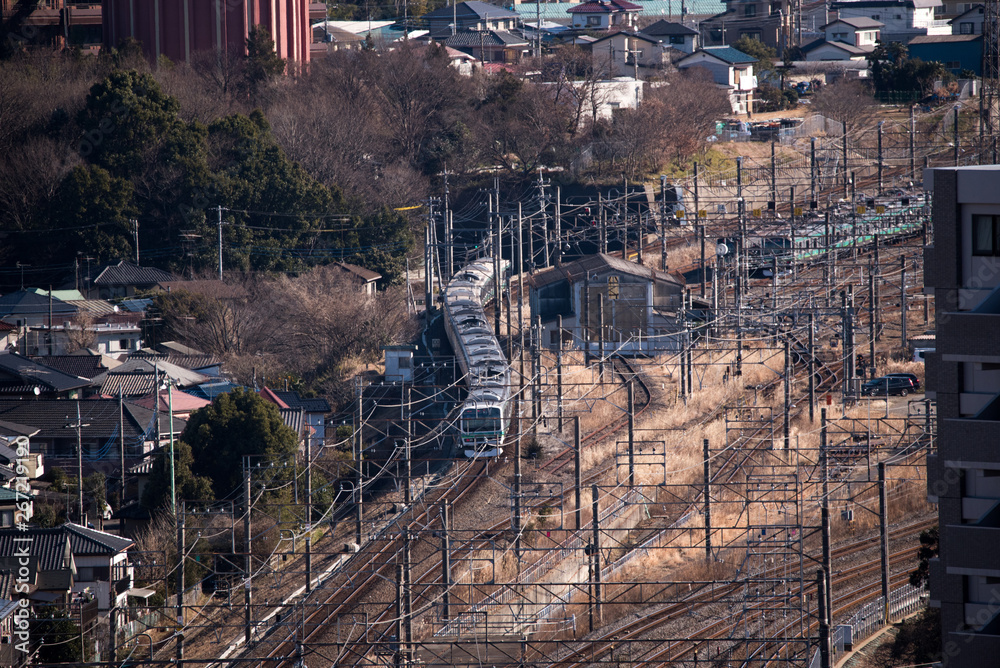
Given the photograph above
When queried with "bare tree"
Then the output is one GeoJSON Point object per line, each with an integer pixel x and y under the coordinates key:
{"type": "Point", "coordinates": [847, 102]}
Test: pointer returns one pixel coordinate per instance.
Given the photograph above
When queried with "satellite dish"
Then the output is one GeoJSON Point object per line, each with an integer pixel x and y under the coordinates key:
{"type": "Point", "coordinates": [721, 249]}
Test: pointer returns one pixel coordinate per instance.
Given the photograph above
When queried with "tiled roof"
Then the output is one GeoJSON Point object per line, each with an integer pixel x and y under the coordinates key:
{"type": "Point", "coordinates": [726, 54]}
{"type": "Point", "coordinates": [631, 35]}
{"type": "Point", "coordinates": [18, 372]}
{"type": "Point", "coordinates": [52, 416]}
{"type": "Point", "coordinates": [25, 303]}
{"type": "Point", "coordinates": [6, 584]}
{"type": "Point", "coordinates": [194, 362]}
{"type": "Point", "coordinates": [856, 22]}
{"type": "Point", "coordinates": [662, 27]}
{"type": "Point", "coordinates": [94, 307]}
{"type": "Point", "coordinates": [182, 401]}
{"type": "Point", "coordinates": [129, 383]}
{"type": "Point", "coordinates": [7, 327]}
{"type": "Point", "coordinates": [126, 273]}
{"type": "Point", "coordinates": [85, 541]}
{"type": "Point", "coordinates": [177, 348]}
{"type": "Point", "coordinates": [8, 428]}
{"type": "Point", "coordinates": [83, 366]}
{"type": "Point", "coordinates": [605, 6]}
{"type": "Point", "coordinates": [46, 546]}
{"type": "Point", "coordinates": [268, 395]}
{"type": "Point", "coordinates": [944, 39]}
{"type": "Point", "coordinates": [474, 38]}
{"type": "Point", "coordinates": [183, 377]}
{"type": "Point", "coordinates": [471, 9]}
{"type": "Point", "coordinates": [360, 272]}
{"type": "Point", "coordinates": [10, 496]}
{"type": "Point", "coordinates": [293, 400]}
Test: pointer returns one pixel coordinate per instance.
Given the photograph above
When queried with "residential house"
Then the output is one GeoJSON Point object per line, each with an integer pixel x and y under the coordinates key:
{"type": "Point", "coordinates": [677, 35]}
{"type": "Point", "coordinates": [469, 15]}
{"type": "Point", "coordinates": [22, 377]}
{"type": "Point", "coordinates": [106, 428]}
{"type": "Point", "coordinates": [969, 22]}
{"type": "Point", "coordinates": [138, 376]}
{"type": "Point", "coordinates": [125, 279]}
{"type": "Point", "coordinates": [962, 271]}
{"type": "Point", "coordinates": [732, 70]}
{"type": "Point", "coordinates": [767, 21]}
{"type": "Point", "coordinates": [606, 97]}
{"type": "Point", "coordinates": [75, 557]}
{"type": "Point", "coordinates": [640, 306]}
{"type": "Point", "coordinates": [12, 435]}
{"type": "Point", "coordinates": [328, 38]}
{"type": "Point", "coordinates": [51, 567]}
{"type": "Point", "coordinates": [902, 19]}
{"type": "Point", "coordinates": [952, 8]}
{"type": "Point", "coordinates": [9, 335]}
{"type": "Point", "coordinates": [14, 507]}
{"type": "Point", "coordinates": [488, 46]}
{"type": "Point", "coordinates": [306, 416]}
{"type": "Point", "coordinates": [955, 52]}
{"type": "Point", "coordinates": [845, 39]}
{"type": "Point", "coordinates": [27, 308]}
{"type": "Point", "coordinates": [86, 364]}
{"type": "Point", "coordinates": [604, 14]}
{"type": "Point", "coordinates": [628, 53]}
{"type": "Point", "coordinates": [179, 402]}
{"type": "Point", "coordinates": [511, 51]}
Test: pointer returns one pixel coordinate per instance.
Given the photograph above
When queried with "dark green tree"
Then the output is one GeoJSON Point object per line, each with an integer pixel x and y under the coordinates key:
{"type": "Point", "coordinates": [263, 64]}
{"type": "Point", "coordinates": [765, 55]}
{"type": "Point", "coordinates": [892, 69]}
{"type": "Point", "coordinates": [235, 425]}
{"type": "Point", "coordinates": [58, 635]}
{"type": "Point", "coordinates": [96, 206]}
{"type": "Point", "coordinates": [927, 551]}
{"type": "Point", "coordinates": [188, 485]}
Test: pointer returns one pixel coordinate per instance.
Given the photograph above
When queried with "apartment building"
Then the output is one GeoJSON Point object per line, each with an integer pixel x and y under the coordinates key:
{"type": "Point", "coordinates": [962, 268]}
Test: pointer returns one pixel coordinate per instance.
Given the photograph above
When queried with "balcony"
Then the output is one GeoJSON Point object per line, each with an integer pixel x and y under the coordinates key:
{"type": "Point", "coordinates": [972, 547]}
{"type": "Point", "coordinates": [972, 334]}
{"type": "Point", "coordinates": [969, 441]}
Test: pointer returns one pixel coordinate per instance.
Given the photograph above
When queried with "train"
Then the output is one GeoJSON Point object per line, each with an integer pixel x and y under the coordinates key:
{"type": "Point", "coordinates": [813, 239]}
{"type": "Point", "coordinates": [484, 415]}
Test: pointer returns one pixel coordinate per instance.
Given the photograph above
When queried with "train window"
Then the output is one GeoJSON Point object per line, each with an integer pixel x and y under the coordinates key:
{"type": "Point", "coordinates": [986, 235]}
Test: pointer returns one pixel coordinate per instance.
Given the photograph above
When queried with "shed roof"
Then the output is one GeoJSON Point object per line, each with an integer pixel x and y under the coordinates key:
{"type": "Point", "coordinates": [126, 273]}
{"type": "Point", "coordinates": [471, 9]}
{"type": "Point", "coordinates": [663, 28]}
{"type": "Point", "coordinates": [605, 7]}
{"type": "Point", "coordinates": [596, 264]}
{"type": "Point", "coordinates": [22, 374]}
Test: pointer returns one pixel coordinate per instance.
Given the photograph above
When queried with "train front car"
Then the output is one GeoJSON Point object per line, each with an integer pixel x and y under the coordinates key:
{"type": "Point", "coordinates": [485, 414]}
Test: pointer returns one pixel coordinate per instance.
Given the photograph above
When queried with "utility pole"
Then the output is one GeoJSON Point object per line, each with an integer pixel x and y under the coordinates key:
{"type": "Point", "coordinates": [774, 180]}
{"type": "Point", "coordinates": [812, 367]}
{"type": "Point", "coordinates": [181, 549]}
{"type": "Point", "coordinates": [913, 132]}
{"type": "Point", "coordinates": [597, 552]}
{"type": "Point", "coordinates": [248, 561]}
{"type": "Point", "coordinates": [631, 435]}
{"type": "Point", "coordinates": [121, 441]}
{"type": "Point", "coordinates": [825, 512]}
{"type": "Point", "coordinates": [812, 172]}
{"type": "Point", "coordinates": [663, 218]}
{"type": "Point", "coordinates": [788, 394]}
{"type": "Point", "coordinates": [883, 527]}
{"type": "Point", "coordinates": [517, 498]}
{"type": "Point", "coordinates": [78, 425]}
{"type": "Point", "coordinates": [600, 336]}
{"type": "Point", "coordinates": [558, 217]}
{"type": "Point", "coordinates": [135, 229]}
{"type": "Point", "coordinates": [844, 157]}
{"type": "Point", "coordinates": [578, 472]}
{"type": "Point", "coordinates": [880, 165]}
{"type": "Point", "coordinates": [824, 619]}
{"type": "Point", "coordinates": [359, 478]}
{"type": "Point", "coordinates": [872, 307]}
{"type": "Point", "coordinates": [309, 511]}
{"type": "Point", "coordinates": [219, 211]}
{"type": "Point", "coordinates": [708, 500]}
{"type": "Point", "coordinates": [956, 138]}
{"type": "Point", "coordinates": [559, 373]}
{"type": "Point", "coordinates": [445, 563]}
{"type": "Point", "coordinates": [902, 301]}
{"type": "Point", "coordinates": [407, 600]}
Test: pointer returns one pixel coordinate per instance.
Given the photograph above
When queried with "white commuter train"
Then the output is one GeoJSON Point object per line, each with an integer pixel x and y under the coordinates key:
{"type": "Point", "coordinates": [485, 414]}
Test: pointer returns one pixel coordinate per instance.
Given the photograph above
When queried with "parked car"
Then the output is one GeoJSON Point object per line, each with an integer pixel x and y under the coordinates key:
{"type": "Point", "coordinates": [911, 376]}
{"type": "Point", "coordinates": [886, 385]}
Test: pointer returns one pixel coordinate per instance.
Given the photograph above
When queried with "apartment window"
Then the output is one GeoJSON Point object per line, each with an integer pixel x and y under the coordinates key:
{"type": "Point", "coordinates": [877, 17]}
{"type": "Point", "coordinates": [677, 39]}
{"type": "Point", "coordinates": [899, 17]}
{"type": "Point", "coordinates": [593, 20]}
{"type": "Point", "coordinates": [966, 28]}
{"type": "Point", "coordinates": [985, 235]}
{"type": "Point", "coordinates": [750, 10]}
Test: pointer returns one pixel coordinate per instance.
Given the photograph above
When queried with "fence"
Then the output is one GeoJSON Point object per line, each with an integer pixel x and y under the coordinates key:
{"type": "Point", "coordinates": [869, 619]}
